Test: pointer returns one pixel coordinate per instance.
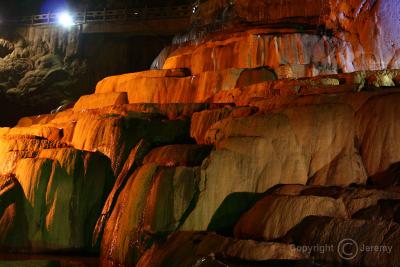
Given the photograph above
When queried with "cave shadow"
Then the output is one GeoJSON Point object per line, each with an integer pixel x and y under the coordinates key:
{"type": "Point", "coordinates": [230, 211]}
{"type": "Point", "coordinates": [14, 233]}
{"type": "Point", "coordinates": [389, 177]}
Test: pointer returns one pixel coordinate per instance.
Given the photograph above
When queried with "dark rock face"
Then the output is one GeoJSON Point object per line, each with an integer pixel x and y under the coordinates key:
{"type": "Point", "coordinates": [43, 68]}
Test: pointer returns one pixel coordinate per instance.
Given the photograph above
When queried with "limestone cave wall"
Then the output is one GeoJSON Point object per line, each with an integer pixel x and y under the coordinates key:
{"type": "Point", "coordinates": [43, 68]}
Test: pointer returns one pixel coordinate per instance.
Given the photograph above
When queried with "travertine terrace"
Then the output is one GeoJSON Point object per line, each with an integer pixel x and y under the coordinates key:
{"type": "Point", "coordinates": [272, 125]}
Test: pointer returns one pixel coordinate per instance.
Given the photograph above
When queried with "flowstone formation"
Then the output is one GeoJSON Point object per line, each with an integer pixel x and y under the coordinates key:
{"type": "Point", "coordinates": [252, 141]}
{"type": "Point", "coordinates": [39, 69]}
{"type": "Point", "coordinates": [45, 68]}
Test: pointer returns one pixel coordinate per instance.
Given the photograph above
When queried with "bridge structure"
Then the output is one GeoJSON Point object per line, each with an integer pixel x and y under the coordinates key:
{"type": "Point", "coordinates": [147, 21]}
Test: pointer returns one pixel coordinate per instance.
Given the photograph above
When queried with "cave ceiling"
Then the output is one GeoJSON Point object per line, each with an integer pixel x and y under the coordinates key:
{"type": "Point", "coordinates": [23, 7]}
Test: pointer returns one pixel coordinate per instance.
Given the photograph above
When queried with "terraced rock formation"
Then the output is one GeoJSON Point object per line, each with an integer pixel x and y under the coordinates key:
{"type": "Point", "coordinates": [246, 148]}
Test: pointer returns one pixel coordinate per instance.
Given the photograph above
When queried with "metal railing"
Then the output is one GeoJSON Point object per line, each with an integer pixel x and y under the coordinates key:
{"type": "Point", "coordinates": [82, 17]}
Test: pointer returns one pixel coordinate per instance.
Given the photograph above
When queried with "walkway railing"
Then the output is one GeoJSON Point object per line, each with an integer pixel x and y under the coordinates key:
{"type": "Point", "coordinates": [82, 17]}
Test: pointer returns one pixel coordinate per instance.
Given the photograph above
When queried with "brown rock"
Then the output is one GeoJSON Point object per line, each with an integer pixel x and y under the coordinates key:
{"type": "Point", "coordinates": [357, 242]}
{"type": "Point", "coordinates": [60, 213]}
{"type": "Point", "coordinates": [303, 145]}
{"type": "Point", "coordinates": [13, 220]}
{"type": "Point", "coordinates": [154, 200]}
{"type": "Point", "coordinates": [273, 216]}
{"type": "Point", "coordinates": [210, 12]}
{"type": "Point", "coordinates": [380, 151]}
{"type": "Point", "coordinates": [178, 155]}
{"type": "Point", "coordinates": [193, 248]}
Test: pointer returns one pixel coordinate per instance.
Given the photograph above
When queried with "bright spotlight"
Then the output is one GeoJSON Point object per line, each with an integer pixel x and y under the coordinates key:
{"type": "Point", "coordinates": [65, 20]}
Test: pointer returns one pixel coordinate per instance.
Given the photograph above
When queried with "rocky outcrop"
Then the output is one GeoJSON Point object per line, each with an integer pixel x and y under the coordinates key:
{"type": "Point", "coordinates": [378, 248]}
{"type": "Point", "coordinates": [226, 182]}
{"type": "Point", "coordinates": [198, 249]}
{"type": "Point", "coordinates": [370, 26]}
{"type": "Point", "coordinates": [48, 199]}
{"type": "Point", "coordinates": [291, 54]}
{"type": "Point", "coordinates": [249, 147]}
{"type": "Point", "coordinates": [45, 67]}
{"type": "Point", "coordinates": [240, 11]}
{"type": "Point", "coordinates": [367, 29]}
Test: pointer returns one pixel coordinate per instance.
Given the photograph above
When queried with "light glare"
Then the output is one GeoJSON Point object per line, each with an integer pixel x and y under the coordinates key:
{"type": "Point", "coordinates": [65, 20]}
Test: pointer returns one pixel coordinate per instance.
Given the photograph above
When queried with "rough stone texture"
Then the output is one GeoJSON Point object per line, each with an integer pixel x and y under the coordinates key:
{"type": "Point", "coordinates": [44, 68]}
{"type": "Point", "coordinates": [284, 208]}
{"type": "Point", "coordinates": [324, 230]}
{"type": "Point", "coordinates": [259, 11]}
{"type": "Point", "coordinates": [273, 216]}
{"type": "Point", "coordinates": [101, 100]}
{"type": "Point", "coordinates": [154, 200]}
{"type": "Point", "coordinates": [58, 212]}
{"type": "Point", "coordinates": [13, 220]}
{"type": "Point", "coordinates": [113, 83]}
{"type": "Point", "coordinates": [109, 133]}
{"type": "Point", "coordinates": [297, 146]}
{"type": "Point", "coordinates": [172, 86]}
{"type": "Point", "coordinates": [369, 28]}
{"type": "Point", "coordinates": [380, 158]}
{"type": "Point", "coordinates": [208, 249]}
{"type": "Point", "coordinates": [312, 53]}
{"type": "Point", "coordinates": [178, 155]}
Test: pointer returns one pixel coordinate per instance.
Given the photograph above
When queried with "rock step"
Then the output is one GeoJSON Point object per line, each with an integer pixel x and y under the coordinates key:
{"type": "Point", "coordinates": [113, 82]}
{"type": "Point", "coordinates": [239, 86]}
{"type": "Point", "coordinates": [95, 101]}
{"type": "Point", "coordinates": [170, 110]}
{"type": "Point", "coordinates": [210, 249]}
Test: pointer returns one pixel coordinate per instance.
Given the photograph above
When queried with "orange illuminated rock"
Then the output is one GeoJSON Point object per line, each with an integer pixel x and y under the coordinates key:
{"type": "Point", "coordinates": [368, 29]}
{"type": "Point", "coordinates": [43, 131]}
{"type": "Point", "coordinates": [133, 161]}
{"type": "Point", "coordinates": [162, 199]}
{"type": "Point", "coordinates": [191, 89]}
{"type": "Point", "coordinates": [40, 119]}
{"type": "Point", "coordinates": [13, 149]}
{"type": "Point", "coordinates": [162, 90]}
{"type": "Point", "coordinates": [178, 155]}
{"type": "Point", "coordinates": [112, 83]}
{"type": "Point", "coordinates": [114, 135]}
{"type": "Point", "coordinates": [202, 121]}
{"type": "Point", "coordinates": [153, 200]}
{"type": "Point", "coordinates": [372, 28]}
{"type": "Point", "coordinates": [260, 49]}
{"type": "Point", "coordinates": [101, 100]}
